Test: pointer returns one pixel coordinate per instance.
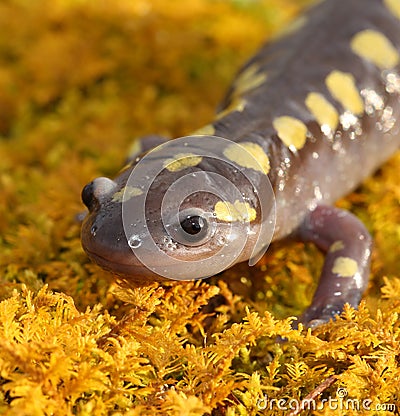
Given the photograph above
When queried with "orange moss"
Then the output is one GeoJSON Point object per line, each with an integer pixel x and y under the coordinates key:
{"type": "Point", "coordinates": [78, 81]}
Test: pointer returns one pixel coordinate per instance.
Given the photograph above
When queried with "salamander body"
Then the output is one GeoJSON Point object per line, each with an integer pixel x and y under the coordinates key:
{"type": "Point", "coordinates": [318, 110]}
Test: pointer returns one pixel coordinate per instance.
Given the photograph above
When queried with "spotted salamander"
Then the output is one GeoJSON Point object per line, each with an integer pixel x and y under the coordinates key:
{"type": "Point", "coordinates": [319, 111]}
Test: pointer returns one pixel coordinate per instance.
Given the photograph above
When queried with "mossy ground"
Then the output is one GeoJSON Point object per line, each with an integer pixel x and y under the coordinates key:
{"type": "Point", "coordinates": [80, 79]}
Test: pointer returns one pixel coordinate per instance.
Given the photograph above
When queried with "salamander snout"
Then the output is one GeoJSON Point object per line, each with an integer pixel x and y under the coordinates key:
{"type": "Point", "coordinates": [95, 192]}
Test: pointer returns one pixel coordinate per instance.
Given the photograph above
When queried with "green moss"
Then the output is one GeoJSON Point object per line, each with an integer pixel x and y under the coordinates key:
{"type": "Point", "coordinates": [78, 81]}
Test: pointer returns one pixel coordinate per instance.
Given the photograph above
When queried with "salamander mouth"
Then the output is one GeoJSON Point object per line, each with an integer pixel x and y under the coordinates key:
{"type": "Point", "coordinates": [129, 271]}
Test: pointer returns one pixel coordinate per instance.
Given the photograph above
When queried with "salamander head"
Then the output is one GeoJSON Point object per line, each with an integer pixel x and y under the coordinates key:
{"type": "Point", "coordinates": [182, 217]}
{"type": "Point", "coordinates": [103, 236]}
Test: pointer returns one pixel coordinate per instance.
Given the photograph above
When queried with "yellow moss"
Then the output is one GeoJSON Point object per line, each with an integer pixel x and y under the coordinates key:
{"type": "Point", "coordinates": [78, 80]}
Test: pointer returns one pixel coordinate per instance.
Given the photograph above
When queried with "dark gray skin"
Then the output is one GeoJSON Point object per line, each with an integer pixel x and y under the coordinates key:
{"type": "Point", "coordinates": [307, 181]}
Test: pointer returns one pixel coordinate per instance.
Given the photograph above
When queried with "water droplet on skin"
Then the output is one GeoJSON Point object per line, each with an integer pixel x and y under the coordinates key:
{"type": "Point", "coordinates": [93, 230]}
{"type": "Point", "coordinates": [170, 243]}
{"type": "Point", "coordinates": [221, 240]}
{"type": "Point", "coordinates": [134, 241]}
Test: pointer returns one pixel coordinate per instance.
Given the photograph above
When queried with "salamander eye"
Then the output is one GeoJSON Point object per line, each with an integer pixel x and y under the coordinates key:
{"type": "Point", "coordinates": [194, 224]}
{"type": "Point", "coordinates": [194, 228]}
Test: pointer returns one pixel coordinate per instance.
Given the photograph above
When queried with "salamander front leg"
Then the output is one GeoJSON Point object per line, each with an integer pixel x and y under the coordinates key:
{"type": "Point", "coordinates": [345, 273]}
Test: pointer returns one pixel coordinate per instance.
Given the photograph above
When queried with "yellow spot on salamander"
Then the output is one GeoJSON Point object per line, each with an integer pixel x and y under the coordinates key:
{"type": "Point", "coordinates": [375, 47]}
{"type": "Point", "coordinates": [292, 27]}
{"type": "Point", "coordinates": [248, 155]}
{"type": "Point", "coordinates": [345, 267]}
{"type": "Point", "coordinates": [336, 246]}
{"type": "Point", "coordinates": [126, 193]}
{"type": "Point", "coordinates": [323, 111]}
{"type": "Point", "coordinates": [248, 80]}
{"type": "Point", "coordinates": [238, 211]}
{"type": "Point", "coordinates": [125, 168]}
{"type": "Point", "coordinates": [182, 161]}
{"type": "Point", "coordinates": [342, 87]}
{"type": "Point", "coordinates": [291, 131]}
{"type": "Point", "coordinates": [237, 104]}
{"type": "Point", "coordinates": [135, 149]}
{"type": "Point", "coordinates": [208, 130]}
{"type": "Point", "coordinates": [394, 7]}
